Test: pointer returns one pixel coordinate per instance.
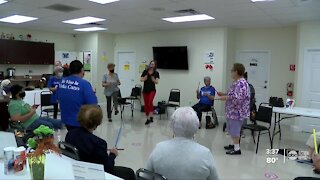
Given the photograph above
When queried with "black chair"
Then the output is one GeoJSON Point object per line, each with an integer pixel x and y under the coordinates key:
{"type": "Point", "coordinates": [263, 115]}
{"type": "Point", "coordinates": [214, 116]}
{"type": "Point", "coordinates": [69, 150]}
{"type": "Point", "coordinates": [173, 101]}
{"type": "Point", "coordinates": [46, 104]}
{"type": "Point", "coordinates": [122, 102]}
{"type": "Point", "coordinates": [144, 174]}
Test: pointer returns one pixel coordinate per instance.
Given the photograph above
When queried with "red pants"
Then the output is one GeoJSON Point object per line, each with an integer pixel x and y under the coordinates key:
{"type": "Point", "coordinates": [148, 102]}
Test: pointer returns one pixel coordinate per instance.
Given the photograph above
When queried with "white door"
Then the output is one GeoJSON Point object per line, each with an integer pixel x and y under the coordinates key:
{"type": "Point", "coordinates": [126, 72]}
{"type": "Point", "coordinates": [257, 64]}
{"type": "Point", "coordinates": [311, 88]}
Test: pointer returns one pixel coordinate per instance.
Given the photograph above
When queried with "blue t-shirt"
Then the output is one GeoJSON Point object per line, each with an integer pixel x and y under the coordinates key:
{"type": "Point", "coordinates": [73, 92]}
{"type": "Point", "coordinates": [204, 99]}
{"type": "Point", "coordinates": [54, 82]}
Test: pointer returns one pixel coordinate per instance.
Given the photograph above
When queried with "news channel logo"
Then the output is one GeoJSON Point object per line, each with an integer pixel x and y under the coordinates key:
{"type": "Point", "coordinates": [297, 155]}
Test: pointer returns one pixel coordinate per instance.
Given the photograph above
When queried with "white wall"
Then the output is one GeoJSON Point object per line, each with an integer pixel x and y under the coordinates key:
{"type": "Point", "coordinates": [308, 37]}
{"type": "Point", "coordinates": [198, 41]}
{"type": "Point", "coordinates": [281, 42]}
{"type": "Point", "coordinates": [62, 42]}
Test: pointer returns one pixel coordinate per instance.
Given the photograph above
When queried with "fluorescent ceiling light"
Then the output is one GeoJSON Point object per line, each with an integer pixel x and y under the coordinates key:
{"type": "Point", "coordinates": [261, 0]}
{"type": "Point", "coordinates": [103, 1]}
{"type": "Point", "coordinates": [197, 17]}
{"type": "Point", "coordinates": [16, 19]}
{"type": "Point", "coordinates": [3, 1]}
{"type": "Point", "coordinates": [84, 20]}
{"type": "Point", "coordinates": [90, 29]}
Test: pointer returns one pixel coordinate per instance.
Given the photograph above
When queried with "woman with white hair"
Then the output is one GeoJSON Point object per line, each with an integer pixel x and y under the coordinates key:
{"type": "Point", "coordinates": [181, 157]}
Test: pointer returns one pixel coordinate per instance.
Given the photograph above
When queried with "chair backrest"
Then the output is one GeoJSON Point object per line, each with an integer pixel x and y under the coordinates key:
{"type": "Point", "coordinates": [136, 92]}
{"type": "Point", "coordinates": [69, 150]}
{"type": "Point", "coordinates": [45, 98]}
{"type": "Point", "coordinates": [264, 113]}
{"type": "Point", "coordinates": [174, 96]}
{"type": "Point", "coordinates": [144, 174]}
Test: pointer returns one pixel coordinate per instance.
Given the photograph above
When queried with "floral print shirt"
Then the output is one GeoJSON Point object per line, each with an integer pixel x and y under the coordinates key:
{"type": "Point", "coordinates": [238, 103]}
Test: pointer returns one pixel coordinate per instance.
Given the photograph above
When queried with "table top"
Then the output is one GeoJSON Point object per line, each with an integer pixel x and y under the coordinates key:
{"type": "Point", "coordinates": [55, 165]}
{"type": "Point", "coordinates": [299, 111]}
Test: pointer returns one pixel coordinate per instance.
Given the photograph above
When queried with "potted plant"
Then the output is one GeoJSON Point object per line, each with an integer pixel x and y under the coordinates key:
{"type": "Point", "coordinates": [41, 144]}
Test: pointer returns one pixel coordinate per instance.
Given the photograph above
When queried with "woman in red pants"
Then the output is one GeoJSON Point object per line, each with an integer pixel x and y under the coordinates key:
{"type": "Point", "coordinates": [150, 77]}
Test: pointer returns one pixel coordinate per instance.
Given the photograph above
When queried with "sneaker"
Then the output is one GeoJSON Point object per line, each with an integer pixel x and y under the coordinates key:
{"type": "Point", "coordinates": [229, 147]}
{"type": "Point", "coordinates": [151, 119]}
{"type": "Point", "coordinates": [147, 122]}
{"type": "Point", "coordinates": [116, 112]}
{"type": "Point", "coordinates": [110, 120]}
{"type": "Point", "coordinates": [233, 152]}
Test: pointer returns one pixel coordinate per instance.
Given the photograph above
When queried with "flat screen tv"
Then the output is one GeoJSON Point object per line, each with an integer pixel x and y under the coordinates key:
{"type": "Point", "coordinates": [174, 57]}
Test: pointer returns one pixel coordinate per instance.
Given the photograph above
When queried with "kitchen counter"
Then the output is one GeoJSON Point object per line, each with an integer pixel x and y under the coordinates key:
{"type": "Point", "coordinates": [34, 78]}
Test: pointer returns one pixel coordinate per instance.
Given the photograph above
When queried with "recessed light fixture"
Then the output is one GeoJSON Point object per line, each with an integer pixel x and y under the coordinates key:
{"type": "Point", "coordinates": [197, 17]}
{"type": "Point", "coordinates": [91, 29]}
{"type": "Point", "coordinates": [16, 19]}
{"type": "Point", "coordinates": [84, 20]}
{"type": "Point", "coordinates": [261, 0]}
{"type": "Point", "coordinates": [104, 1]}
{"type": "Point", "coordinates": [3, 1]}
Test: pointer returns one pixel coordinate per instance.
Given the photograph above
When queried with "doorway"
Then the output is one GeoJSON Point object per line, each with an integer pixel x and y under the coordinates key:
{"type": "Point", "coordinates": [311, 88]}
{"type": "Point", "coordinates": [126, 72]}
{"type": "Point", "coordinates": [257, 64]}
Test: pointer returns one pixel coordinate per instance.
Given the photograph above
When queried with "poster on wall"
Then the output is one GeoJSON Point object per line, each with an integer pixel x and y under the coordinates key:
{"type": "Point", "coordinates": [209, 57]}
{"type": "Point", "coordinates": [87, 60]}
{"type": "Point", "coordinates": [65, 57]}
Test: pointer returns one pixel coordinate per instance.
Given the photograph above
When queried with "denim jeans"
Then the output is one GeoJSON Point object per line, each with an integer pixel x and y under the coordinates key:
{"type": "Point", "coordinates": [51, 123]}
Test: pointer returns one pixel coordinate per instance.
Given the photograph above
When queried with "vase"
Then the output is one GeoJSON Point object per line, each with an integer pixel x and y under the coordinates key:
{"type": "Point", "coordinates": [36, 164]}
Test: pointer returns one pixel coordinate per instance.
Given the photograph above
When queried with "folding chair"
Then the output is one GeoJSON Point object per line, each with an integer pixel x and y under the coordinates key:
{"type": "Point", "coordinates": [69, 150]}
{"type": "Point", "coordinates": [144, 174]}
{"type": "Point", "coordinates": [122, 102]}
{"type": "Point", "coordinates": [263, 115]}
{"type": "Point", "coordinates": [174, 100]}
{"type": "Point", "coordinates": [214, 116]}
{"type": "Point", "coordinates": [45, 100]}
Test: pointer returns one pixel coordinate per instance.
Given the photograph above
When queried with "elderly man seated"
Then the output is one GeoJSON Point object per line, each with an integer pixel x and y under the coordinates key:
{"type": "Point", "coordinates": [182, 157]}
{"type": "Point", "coordinates": [206, 100]}
{"type": "Point", "coordinates": [22, 112]}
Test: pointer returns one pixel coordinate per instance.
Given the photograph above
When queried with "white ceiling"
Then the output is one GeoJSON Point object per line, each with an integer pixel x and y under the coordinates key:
{"type": "Point", "coordinates": [137, 15]}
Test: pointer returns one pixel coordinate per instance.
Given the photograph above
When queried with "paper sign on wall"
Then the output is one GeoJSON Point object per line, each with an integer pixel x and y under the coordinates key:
{"type": "Point", "coordinates": [126, 67]}
{"type": "Point", "coordinates": [209, 57]}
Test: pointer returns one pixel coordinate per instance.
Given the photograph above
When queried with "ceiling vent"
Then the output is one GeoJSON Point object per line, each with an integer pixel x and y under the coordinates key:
{"type": "Point", "coordinates": [62, 8]}
{"type": "Point", "coordinates": [186, 12]}
{"type": "Point", "coordinates": [93, 24]}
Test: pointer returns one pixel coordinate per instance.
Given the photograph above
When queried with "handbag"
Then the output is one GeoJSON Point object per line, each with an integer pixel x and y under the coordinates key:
{"type": "Point", "coordinates": [276, 102]}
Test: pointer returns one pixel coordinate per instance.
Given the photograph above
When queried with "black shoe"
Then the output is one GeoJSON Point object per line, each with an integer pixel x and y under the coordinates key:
{"type": "Point", "coordinates": [110, 120]}
{"type": "Point", "coordinates": [151, 119]}
{"type": "Point", "coordinates": [116, 112]}
{"type": "Point", "coordinates": [199, 126]}
{"type": "Point", "coordinates": [229, 147]}
{"type": "Point", "coordinates": [147, 122]}
{"type": "Point", "coordinates": [233, 152]}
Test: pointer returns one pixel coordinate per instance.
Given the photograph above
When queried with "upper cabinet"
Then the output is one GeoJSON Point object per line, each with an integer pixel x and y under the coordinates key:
{"type": "Point", "coordinates": [26, 52]}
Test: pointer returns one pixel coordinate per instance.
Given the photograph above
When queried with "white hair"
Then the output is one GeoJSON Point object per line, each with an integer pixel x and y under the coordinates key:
{"type": "Point", "coordinates": [207, 78]}
{"type": "Point", "coordinates": [185, 122]}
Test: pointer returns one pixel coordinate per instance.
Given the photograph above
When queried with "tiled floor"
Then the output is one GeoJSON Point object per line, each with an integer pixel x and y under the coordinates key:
{"type": "Point", "coordinates": [139, 140]}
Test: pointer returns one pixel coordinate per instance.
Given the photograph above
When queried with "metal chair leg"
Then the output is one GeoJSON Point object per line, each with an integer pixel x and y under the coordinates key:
{"type": "Point", "coordinates": [271, 144]}
{"type": "Point", "coordinates": [258, 142]}
{"type": "Point", "coordinates": [252, 133]}
{"type": "Point", "coordinates": [279, 128]}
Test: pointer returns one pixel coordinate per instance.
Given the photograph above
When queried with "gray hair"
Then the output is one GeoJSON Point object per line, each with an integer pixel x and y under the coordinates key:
{"type": "Point", "coordinates": [206, 78]}
{"type": "Point", "coordinates": [185, 122]}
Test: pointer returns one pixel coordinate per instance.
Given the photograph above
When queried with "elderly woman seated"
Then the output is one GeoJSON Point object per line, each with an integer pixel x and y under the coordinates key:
{"type": "Point", "coordinates": [181, 157]}
{"type": "Point", "coordinates": [26, 114]}
{"type": "Point", "coordinates": [92, 148]}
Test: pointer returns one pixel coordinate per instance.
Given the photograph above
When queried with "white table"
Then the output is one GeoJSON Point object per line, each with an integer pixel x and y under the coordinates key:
{"type": "Point", "coordinates": [33, 97]}
{"type": "Point", "coordinates": [291, 113]}
{"type": "Point", "coordinates": [60, 168]}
